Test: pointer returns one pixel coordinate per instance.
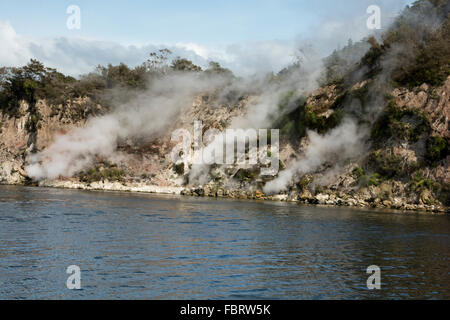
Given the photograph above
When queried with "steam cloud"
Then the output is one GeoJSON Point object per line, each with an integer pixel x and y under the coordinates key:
{"type": "Point", "coordinates": [149, 114]}
{"type": "Point", "coordinates": [146, 116]}
{"type": "Point", "coordinates": [341, 143]}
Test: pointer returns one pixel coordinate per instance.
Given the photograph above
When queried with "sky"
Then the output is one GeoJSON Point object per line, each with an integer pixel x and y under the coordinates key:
{"type": "Point", "coordinates": [245, 35]}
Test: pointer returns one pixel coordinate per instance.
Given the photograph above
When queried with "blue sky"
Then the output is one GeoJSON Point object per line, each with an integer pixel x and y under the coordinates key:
{"type": "Point", "coordinates": [217, 27]}
{"type": "Point", "coordinates": [171, 21]}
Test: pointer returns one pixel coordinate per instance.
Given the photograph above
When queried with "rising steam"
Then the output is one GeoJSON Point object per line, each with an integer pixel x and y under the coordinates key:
{"type": "Point", "coordinates": [152, 112]}
{"type": "Point", "coordinates": [146, 116]}
{"type": "Point", "coordinates": [341, 143]}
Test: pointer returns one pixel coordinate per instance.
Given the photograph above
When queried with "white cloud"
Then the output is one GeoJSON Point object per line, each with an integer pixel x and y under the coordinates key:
{"type": "Point", "coordinates": [77, 56]}
{"type": "Point", "coordinates": [262, 56]}
{"type": "Point", "coordinates": [201, 51]}
{"type": "Point", "coordinates": [14, 48]}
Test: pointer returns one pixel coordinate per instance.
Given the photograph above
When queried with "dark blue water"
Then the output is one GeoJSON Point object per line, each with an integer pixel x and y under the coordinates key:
{"type": "Point", "coordinates": [138, 246]}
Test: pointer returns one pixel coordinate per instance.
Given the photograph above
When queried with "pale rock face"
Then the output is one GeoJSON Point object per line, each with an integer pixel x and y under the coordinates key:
{"type": "Point", "coordinates": [436, 104]}
{"type": "Point", "coordinates": [280, 197]}
{"type": "Point", "coordinates": [322, 99]}
{"type": "Point", "coordinates": [111, 186]}
{"type": "Point", "coordinates": [11, 173]}
{"type": "Point", "coordinates": [322, 198]}
{"type": "Point", "coordinates": [407, 154]}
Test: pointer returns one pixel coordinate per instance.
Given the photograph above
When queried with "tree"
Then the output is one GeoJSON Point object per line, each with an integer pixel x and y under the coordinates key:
{"type": "Point", "coordinates": [123, 76]}
{"type": "Point", "coordinates": [157, 63]}
{"type": "Point", "coordinates": [180, 64]}
{"type": "Point", "coordinates": [216, 68]}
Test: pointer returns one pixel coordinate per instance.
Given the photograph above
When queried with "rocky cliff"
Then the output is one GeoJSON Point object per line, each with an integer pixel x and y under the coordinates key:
{"type": "Point", "coordinates": [396, 171]}
{"type": "Point", "coordinates": [367, 126]}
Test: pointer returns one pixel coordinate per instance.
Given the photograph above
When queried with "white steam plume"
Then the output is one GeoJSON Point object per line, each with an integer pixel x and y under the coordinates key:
{"type": "Point", "coordinates": [146, 116]}
{"type": "Point", "coordinates": [264, 107]}
{"type": "Point", "coordinates": [340, 144]}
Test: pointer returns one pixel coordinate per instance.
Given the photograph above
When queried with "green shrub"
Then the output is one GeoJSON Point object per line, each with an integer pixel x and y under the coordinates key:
{"type": "Point", "coordinates": [366, 180]}
{"type": "Point", "coordinates": [100, 174]}
{"type": "Point", "coordinates": [370, 180]}
{"type": "Point", "coordinates": [388, 166]}
{"type": "Point", "coordinates": [296, 123]}
{"type": "Point", "coordinates": [113, 174]}
{"type": "Point", "coordinates": [246, 174]}
{"type": "Point", "coordinates": [304, 182]}
{"type": "Point", "coordinates": [358, 172]}
{"type": "Point", "coordinates": [425, 184]}
{"type": "Point", "coordinates": [436, 149]}
{"type": "Point", "coordinates": [397, 123]}
{"type": "Point", "coordinates": [179, 168]}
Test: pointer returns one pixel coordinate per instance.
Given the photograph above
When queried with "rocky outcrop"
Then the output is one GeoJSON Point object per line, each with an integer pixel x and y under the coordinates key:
{"type": "Point", "coordinates": [111, 186]}
{"type": "Point", "coordinates": [147, 166]}
{"type": "Point", "coordinates": [435, 102]}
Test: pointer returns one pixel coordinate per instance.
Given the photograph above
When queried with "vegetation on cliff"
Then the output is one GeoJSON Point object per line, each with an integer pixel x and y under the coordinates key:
{"type": "Point", "coordinates": [404, 146]}
{"type": "Point", "coordinates": [34, 81]}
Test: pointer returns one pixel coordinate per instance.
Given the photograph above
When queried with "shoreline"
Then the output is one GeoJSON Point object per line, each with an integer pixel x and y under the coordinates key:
{"type": "Point", "coordinates": [323, 200]}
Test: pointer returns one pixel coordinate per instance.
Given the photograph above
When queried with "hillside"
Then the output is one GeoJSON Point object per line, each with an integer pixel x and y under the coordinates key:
{"type": "Point", "coordinates": [368, 126]}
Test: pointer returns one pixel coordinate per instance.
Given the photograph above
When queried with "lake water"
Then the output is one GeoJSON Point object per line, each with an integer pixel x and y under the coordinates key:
{"type": "Point", "coordinates": [140, 246]}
